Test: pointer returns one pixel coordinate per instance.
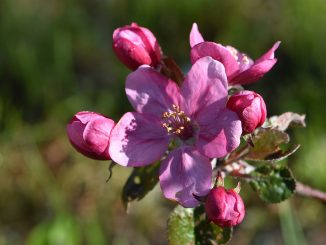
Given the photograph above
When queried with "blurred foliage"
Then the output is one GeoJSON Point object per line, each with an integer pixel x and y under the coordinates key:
{"type": "Point", "coordinates": [56, 59]}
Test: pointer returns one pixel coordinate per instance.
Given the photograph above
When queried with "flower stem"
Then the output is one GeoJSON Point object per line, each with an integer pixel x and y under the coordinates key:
{"type": "Point", "coordinates": [239, 155]}
{"type": "Point", "coordinates": [307, 191]}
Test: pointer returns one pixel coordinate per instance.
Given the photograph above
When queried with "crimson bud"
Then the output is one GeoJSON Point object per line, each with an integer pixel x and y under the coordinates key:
{"type": "Point", "coordinates": [250, 108]}
{"type": "Point", "coordinates": [135, 46]}
{"type": "Point", "coordinates": [224, 207]}
{"type": "Point", "coordinates": [89, 133]}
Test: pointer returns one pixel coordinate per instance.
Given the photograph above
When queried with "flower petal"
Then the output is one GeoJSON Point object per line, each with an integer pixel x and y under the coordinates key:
{"type": "Point", "coordinates": [269, 54]}
{"type": "Point", "coordinates": [89, 133]}
{"type": "Point", "coordinates": [150, 92]}
{"type": "Point", "coordinates": [258, 69]}
{"type": "Point", "coordinates": [195, 36]}
{"type": "Point", "coordinates": [254, 73]}
{"type": "Point", "coordinates": [205, 86]}
{"type": "Point", "coordinates": [217, 52]}
{"type": "Point", "coordinates": [155, 50]}
{"type": "Point", "coordinates": [219, 133]}
{"type": "Point", "coordinates": [183, 173]}
{"type": "Point", "coordinates": [96, 135]}
{"type": "Point", "coordinates": [130, 54]}
{"type": "Point", "coordinates": [138, 140]}
{"type": "Point", "coordinates": [243, 60]}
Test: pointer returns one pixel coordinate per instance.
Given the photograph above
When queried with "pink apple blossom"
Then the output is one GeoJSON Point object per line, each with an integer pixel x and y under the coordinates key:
{"type": "Point", "coordinates": [193, 118]}
{"type": "Point", "coordinates": [250, 108]}
{"type": "Point", "coordinates": [89, 133]}
{"type": "Point", "coordinates": [224, 207]}
{"type": "Point", "coordinates": [239, 68]}
{"type": "Point", "coordinates": [135, 46]}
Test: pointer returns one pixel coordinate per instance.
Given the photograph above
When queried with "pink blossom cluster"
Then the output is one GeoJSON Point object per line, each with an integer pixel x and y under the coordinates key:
{"type": "Point", "coordinates": [182, 126]}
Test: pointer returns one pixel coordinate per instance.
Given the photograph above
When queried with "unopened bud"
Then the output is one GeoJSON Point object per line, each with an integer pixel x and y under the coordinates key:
{"type": "Point", "coordinates": [136, 46]}
{"type": "Point", "coordinates": [250, 108]}
{"type": "Point", "coordinates": [224, 207]}
{"type": "Point", "coordinates": [89, 133]}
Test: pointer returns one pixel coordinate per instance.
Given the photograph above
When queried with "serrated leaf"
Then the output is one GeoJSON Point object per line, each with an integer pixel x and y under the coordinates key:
{"type": "Point", "coordinates": [206, 232]}
{"type": "Point", "coordinates": [287, 120]}
{"type": "Point", "coordinates": [266, 143]}
{"type": "Point", "coordinates": [140, 182]}
{"type": "Point", "coordinates": [181, 226]}
{"type": "Point", "coordinates": [274, 157]}
{"type": "Point", "coordinates": [273, 183]}
{"type": "Point", "coordinates": [190, 226]}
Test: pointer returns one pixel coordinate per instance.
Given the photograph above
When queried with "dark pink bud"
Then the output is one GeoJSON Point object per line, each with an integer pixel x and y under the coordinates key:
{"type": "Point", "coordinates": [250, 108]}
{"type": "Point", "coordinates": [224, 207]}
{"type": "Point", "coordinates": [136, 46]}
{"type": "Point", "coordinates": [89, 133]}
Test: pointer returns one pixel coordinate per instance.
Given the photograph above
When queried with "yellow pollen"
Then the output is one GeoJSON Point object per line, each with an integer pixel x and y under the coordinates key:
{"type": "Point", "coordinates": [245, 59]}
{"type": "Point", "coordinates": [175, 121]}
{"type": "Point", "coordinates": [233, 51]}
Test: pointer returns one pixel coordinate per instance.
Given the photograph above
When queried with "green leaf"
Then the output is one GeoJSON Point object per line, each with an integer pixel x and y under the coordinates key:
{"type": "Point", "coordinates": [206, 232]}
{"type": "Point", "coordinates": [274, 157]}
{"type": "Point", "coordinates": [140, 182]}
{"type": "Point", "coordinates": [267, 145]}
{"type": "Point", "coordinates": [190, 226]}
{"type": "Point", "coordinates": [273, 183]}
{"type": "Point", "coordinates": [181, 226]}
{"type": "Point", "coordinates": [286, 120]}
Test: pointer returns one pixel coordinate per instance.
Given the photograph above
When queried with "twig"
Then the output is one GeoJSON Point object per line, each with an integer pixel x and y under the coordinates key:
{"type": "Point", "coordinates": [305, 190]}
{"type": "Point", "coordinates": [240, 154]}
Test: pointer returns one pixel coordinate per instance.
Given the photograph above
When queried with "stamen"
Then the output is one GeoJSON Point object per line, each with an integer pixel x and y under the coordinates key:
{"type": "Point", "coordinates": [233, 51]}
{"type": "Point", "coordinates": [176, 122]}
{"type": "Point", "coordinates": [245, 59]}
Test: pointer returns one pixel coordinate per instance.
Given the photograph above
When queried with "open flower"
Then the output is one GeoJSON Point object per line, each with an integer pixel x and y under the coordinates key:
{"type": "Point", "coordinates": [193, 116]}
{"type": "Point", "coordinates": [239, 68]}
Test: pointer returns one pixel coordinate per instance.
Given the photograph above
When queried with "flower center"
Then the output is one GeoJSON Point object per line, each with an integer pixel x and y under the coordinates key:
{"type": "Point", "coordinates": [176, 122]}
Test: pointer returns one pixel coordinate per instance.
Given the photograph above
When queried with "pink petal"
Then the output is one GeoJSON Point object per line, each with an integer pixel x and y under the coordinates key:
{"type": "Point", "coordinates": [155, 47]}
{"type": "Point", "coordinates": [219, 133]}
{"type": "Point", "coordinates": [130, 54]}
{"type": "Point", "coordinates": [130, 33]}
{"type": "Point", "coordinates": [89, 133]}
{"type": "Point", "coordinates": [217, 52]}
{"type": "Point", "coordinates": [251, 115]}
{"type": "Point", "coordinates": [243, 60]}
{"type": "Point", "coordinates": [254, 73]}
{"type": "Point", "coordinates": [257, 70]}
{"type": "Point", "coordinates": [205, 86]}
{"type": "Point", "coordinates": [86, 116]}
{"type": "Point", "coordinates": [269, 54]}
{"type": "Point", "coordinates": [138, 140]}
{"type": "Point", "coordinates": [150, 92]}
{"type": "Point", "coordinates": [195, 36]}
{"type": "Point", "coordinates": [183, 173]}
{"type": "Point", "coordinates": [97, 133]}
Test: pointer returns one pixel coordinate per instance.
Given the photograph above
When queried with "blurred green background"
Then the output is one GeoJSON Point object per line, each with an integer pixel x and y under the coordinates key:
{"type": "Point", "coordinates": [56, 60]}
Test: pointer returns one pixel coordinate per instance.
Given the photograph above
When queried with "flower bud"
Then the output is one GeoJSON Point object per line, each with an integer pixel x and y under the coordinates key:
{"type": "Point", "coordinates": [224, 207]}
{"type": "Point", "coordinates": [136, 46]}
{"type": "Point", "coordinates": [89, 133]}
{"type": "Point", "coordinates": [250, 108]}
